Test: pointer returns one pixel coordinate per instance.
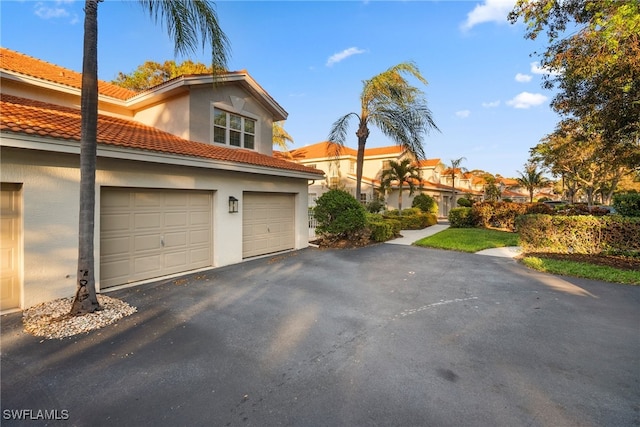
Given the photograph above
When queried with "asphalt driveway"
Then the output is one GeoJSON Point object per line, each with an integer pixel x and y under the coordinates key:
{"type": "Point", "coordinates": [386, 335]}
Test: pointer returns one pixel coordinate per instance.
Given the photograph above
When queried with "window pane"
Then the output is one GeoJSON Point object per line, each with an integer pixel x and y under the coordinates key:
{"type": "Point", "coordinates": [218, 135]}
{"type": "Point", "coordinates": [219, 118]}
{"type": "Point", "coordinates": [235, 122]}
{"type": "Point", "coordinates": [250, 126]}
{"type": "Point", "coordinates": [234, 138]}
{"type": "Point", "coordinates": [249, 141]}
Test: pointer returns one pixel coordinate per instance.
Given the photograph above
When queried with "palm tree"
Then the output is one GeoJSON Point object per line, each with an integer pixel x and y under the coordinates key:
{"type": "Point", "coordinates": [394, 106]}
{"type": "Point", "coordinates": [531, 179]}
{"type": "Point", "coordinates": [455, 165]}
{"type": "Point", "coordinates": [186, 21]}
{"type": "Point", "coordinates": [281, 136]}
{"type": "Point", "coordinates": [403, 172]}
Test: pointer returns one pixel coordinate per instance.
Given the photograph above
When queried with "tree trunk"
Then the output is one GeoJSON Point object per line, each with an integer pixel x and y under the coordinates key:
{"type": "Point", "coordinates": [362, 134]}
{"type": "Point", "coordinates": [86, 300]}
{"type": "Point", "coordinates": [400, 198]}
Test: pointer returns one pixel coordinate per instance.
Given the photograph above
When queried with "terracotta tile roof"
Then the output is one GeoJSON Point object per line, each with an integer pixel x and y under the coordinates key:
{"type": "Point", "coordinates": [428, 163]}
{"type": "Point", "coordinates": [320, 150]}
{"type": "Point", "coordinates": [29, 117]}
{"type": "Point", "coordinates": [23, 64]}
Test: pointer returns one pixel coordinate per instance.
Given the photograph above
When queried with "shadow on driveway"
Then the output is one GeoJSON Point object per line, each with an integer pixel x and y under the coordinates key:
{"type": "Point", "coordinates": [381, 335]}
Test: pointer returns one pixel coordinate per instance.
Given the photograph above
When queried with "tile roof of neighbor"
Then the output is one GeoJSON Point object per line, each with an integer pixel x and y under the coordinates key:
{"type": "Point", "coordinates": [24, 64]}
{"type": "Point", "coordinates": [29, 117]}
{"type": "Point", "coordinates": [327, 149]}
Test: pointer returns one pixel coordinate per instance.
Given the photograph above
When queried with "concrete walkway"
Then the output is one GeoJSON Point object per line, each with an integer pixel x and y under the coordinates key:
{"type": "Point", "coordinates": [411, 236]}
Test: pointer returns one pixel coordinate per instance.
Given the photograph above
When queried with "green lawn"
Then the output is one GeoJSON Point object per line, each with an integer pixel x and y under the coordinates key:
{"type": "Point", "coordinates": [477, 239]}
{"type": "Point", "coordinates": [583, 269]}
{"type": "Point", "coordinates": [469, 239]}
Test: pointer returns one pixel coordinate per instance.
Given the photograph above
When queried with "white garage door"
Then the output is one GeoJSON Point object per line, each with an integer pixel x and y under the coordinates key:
{"type": "Point", "coordinates": [151, 233]}
{"type": "Point", "coordinates": [268, 223]}
{"type": "Point", "coordinates": [11, 220]}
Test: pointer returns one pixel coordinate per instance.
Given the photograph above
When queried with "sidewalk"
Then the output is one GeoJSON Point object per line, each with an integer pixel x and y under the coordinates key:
{"type": "Point", "coordinates": [410, 236]}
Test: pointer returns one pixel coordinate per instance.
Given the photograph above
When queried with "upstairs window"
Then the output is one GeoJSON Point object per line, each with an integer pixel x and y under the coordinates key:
{"type": "Point", "coordinates": [233, 129]}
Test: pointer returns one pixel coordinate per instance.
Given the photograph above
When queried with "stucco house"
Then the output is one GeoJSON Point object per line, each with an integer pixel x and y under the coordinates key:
{"type": "Point", "coordinates": [339, 166]}
{"type": "Point", "coordinates": [186, 179]}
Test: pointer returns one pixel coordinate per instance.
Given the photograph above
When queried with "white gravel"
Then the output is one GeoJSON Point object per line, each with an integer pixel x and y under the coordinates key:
{"type": "Point", "coordinates": [52, 320]}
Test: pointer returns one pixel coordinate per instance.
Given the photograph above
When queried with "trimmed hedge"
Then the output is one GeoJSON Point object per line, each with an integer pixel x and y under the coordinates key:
{"type": "Point", "coordinates": [627, 204]}
{"type": "Point", "coordinates": [339, 213]}
{"type": "Point", "coordinates": [579, 234]}
{"type": "Point", "coordinates": [425, 203]}
{"type": "Point", "coordinates": [461, 218]}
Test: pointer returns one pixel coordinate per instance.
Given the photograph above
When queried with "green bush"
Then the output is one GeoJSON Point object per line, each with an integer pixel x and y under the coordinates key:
{"type": "Point", "coordinates": [465, 203]}
{"type": "Point", "coordinates": [415, 222]}
{"type": "Point", "coordinates": [381, 231]}
{"type": "Point", "coordinates": [539, 208]}
{"type": "Point", "coordinates": [339, 213]}
{"type": "Point", "coordinates": [411, 211]}
{"type": "Point", "coordinates": [579, 234]}
{"type": "Point", "coordinates": [375, 206]}
{"type": "Point", "coordinates": [461, 218]}
{"type": "Point", "coordinates": [425, 203]}
{"type": "Point", "coordinates": [627, 204]}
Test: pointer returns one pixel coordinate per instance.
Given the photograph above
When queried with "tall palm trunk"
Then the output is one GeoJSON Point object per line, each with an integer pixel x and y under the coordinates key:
{"type": "Point", "coordinates": [86, 300]}
{"type": "Point", "coordinates": [362, 134]}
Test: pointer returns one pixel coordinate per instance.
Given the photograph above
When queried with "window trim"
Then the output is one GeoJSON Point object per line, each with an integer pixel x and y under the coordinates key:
{"type": "Point", "coordinates": [229, 109]}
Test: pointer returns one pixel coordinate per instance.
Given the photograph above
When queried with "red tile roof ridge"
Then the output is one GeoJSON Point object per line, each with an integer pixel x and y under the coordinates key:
{"type": "Point", "coordinates": [30, 117]}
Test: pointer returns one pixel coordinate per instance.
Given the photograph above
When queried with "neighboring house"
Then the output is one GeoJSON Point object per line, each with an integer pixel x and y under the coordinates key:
{"type": "Point", "coordinates": [173, 164]}
{"type": "Point", "coordinates": [339, 166]}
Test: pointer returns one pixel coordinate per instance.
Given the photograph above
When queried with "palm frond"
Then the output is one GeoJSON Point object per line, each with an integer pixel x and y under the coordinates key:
{"type": "Point", "coordinates": [338, 132]}
{"type": "Point", "coordinates": [188, 21]}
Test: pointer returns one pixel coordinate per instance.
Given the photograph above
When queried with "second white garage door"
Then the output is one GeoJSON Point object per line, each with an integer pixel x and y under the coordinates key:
{"type": "Point", "coordinates": [268, 223]}
{"type": "Point", "coordinates": [151, 233]}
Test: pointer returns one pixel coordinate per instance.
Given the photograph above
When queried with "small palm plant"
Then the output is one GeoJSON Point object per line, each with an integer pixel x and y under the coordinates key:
{"type": "Point", "coordinates": [403, 172]}
{"type": "Point", "coordinates": [531, 179]}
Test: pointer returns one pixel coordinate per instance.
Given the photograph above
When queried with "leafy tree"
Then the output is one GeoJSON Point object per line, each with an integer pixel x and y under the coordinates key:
{"type": "Point", "coordinates": [594, 56]}
{"type": "Point", "coordinates": [186, 21]}
{"type": "Point", "coordinates": [153, 73]}
{"type": "Point", "coordinates": [394, 106]}
{"type": "Point", "coordinates": [491, 190]}
{"type": "Point", "coordinates": [532, 178]}
{"type": "Point", "coordinates": [403, 172]}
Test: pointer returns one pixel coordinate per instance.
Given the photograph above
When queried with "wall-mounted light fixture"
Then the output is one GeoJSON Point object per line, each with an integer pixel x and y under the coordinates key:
{"type": "Point", "coordinates": [233, 204]}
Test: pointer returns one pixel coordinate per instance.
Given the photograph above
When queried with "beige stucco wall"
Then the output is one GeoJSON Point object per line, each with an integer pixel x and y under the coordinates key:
{"type": "Point", "coordinates": [50, 186]}
{"type": "Point", "coordinates": [172, 116]}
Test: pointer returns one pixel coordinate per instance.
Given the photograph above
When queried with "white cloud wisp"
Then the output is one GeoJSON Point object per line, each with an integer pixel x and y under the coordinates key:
{"type": "Point", "coordinates": [489, 11]}
{"type": "Point", "coordinates": [526, 100]}
{"type": "Point", "coordinates": [341, 56]}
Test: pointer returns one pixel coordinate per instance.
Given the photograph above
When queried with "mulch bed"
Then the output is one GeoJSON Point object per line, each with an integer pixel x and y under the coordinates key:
{"type": "Point", "coordinates": [621, 262]}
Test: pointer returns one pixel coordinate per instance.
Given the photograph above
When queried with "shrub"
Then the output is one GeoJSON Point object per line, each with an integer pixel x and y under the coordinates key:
{"type": "Point", "coordinates": [339, 213]}
{"type": "Point", "coordinates": [465, 203]}
{"type": "Point", "coordinates": [539, 208]}
{"type": "Point", "coordinates": [627, 204]}
{"type": "Point", "coordinates": [579, 234]}
{"type": "Point", "coordinates": [425, 203]}
{"type": "Point", "coordinates": [375, 206]}
{"type": "Point", "coordinates": [461, 218]}
{"type": "Point", "coordinates": [411, 211]}
{"type": "Point", "coordinates": [381, 230]}
{"type": "Point", "coordinates": [415, 222]}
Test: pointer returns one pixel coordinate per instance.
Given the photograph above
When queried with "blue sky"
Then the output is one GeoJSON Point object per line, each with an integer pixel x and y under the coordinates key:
{"type": "Point", "coordinates": [484, 86]}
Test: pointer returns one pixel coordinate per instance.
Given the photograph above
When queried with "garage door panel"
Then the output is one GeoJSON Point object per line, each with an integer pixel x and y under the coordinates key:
{"type": "Point", "coordinates": [158, 232]}
{"type": "Point", "coordinates": [115, 245]}
{"type": "Point", "coordinates": [147, 220]}
{"type": "Point", "coordinates": [175, 219]}
{"type": "Point", "coordinates": [173, 240]}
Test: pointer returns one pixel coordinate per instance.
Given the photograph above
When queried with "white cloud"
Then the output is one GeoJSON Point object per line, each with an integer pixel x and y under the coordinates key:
{"type": "Point", "coordinates": [491, 104]}
{"type": "Point", "coordinates": [53, 10]}
{"type": "Point", "coordinates": [526, 100]}
{"type": "Point", "coordinates": [340, 56]}
{"type": "Point", "coordinates": [463, 114]}
{"type": "Point", "coordinates": [489, 11]}
{"type": "Point", "coordinates": [537, 69]}
{"type": "Point", "coordinates": [523, 78]}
